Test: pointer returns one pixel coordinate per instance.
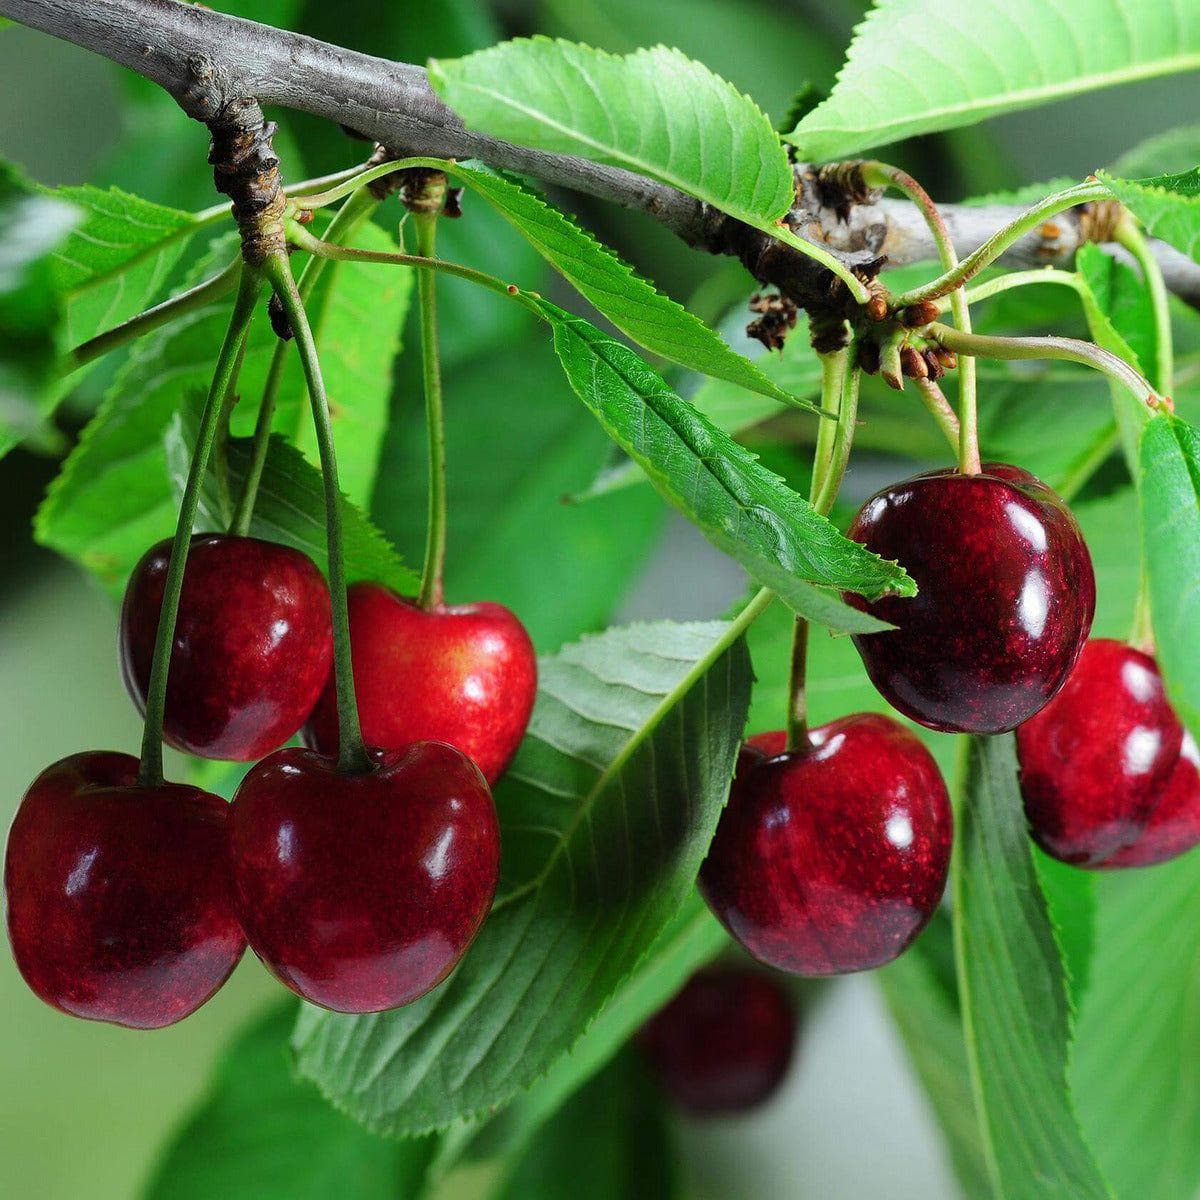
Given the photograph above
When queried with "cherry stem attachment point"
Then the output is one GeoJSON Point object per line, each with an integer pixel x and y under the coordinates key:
{"type": "Point", "coordinates": [150, 770]}
{"type": "Point", "coordinates": [346, 220]}
{"type": "Point", "coordinates": [882, 174]}
{"type": "Point", "coordinates": [431, 594]}
{"type": "Point", "coordinates": [352, 753]}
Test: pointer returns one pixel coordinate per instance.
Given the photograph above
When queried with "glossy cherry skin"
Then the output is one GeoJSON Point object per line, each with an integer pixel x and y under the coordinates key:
{"type": "Point", "coordinates": [464, 675]}
{"type": "Point", "coordinates": [362, 891]}
{"type": "Point", "coordinates": [119, 900]}
{"type": "Point", "coordinates": [724, 1043]}
{"type": "Point", "coordinates": [1005, 601]}
{"type": "Point", "coordinates": [1173, 827]}
{"type": "Point", "coordinates": [831, 858]}
{"type": "Point", "coordinates": [1095, 760]}
{"type": "Point", "coordinates": [253, 644]}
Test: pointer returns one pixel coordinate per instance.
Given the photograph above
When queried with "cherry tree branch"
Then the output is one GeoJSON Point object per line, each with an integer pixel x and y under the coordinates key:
{"type": "Point", "coordinates": [208, 61]}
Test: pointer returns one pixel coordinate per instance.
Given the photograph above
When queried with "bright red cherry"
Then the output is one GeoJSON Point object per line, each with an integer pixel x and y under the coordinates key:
{"type": "Point", "coordinates": [1005, 601]}
{"type": "Point", "coordinates": [1095, 760]}
{"type": "Point", "coordinates": [464, 675]}
{"type": "Point", "coordinates": [724, 1043]}
{"type": "Point", "coordinates": [362, 891]}
{"type": "Point", "coordinates": [1173, 827]}
{"type": "Point", "coordinates": [119, 899]}
{"type": "Point", "coordinates": [253, 644]}
{"type": "Point", "coordinates": [831, 858]}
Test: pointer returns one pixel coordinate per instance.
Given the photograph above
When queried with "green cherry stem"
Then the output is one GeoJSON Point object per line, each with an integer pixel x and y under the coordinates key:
{"type": "Point", "coordinates": [150, 770]}
{"type": "Point", "coordinates": [1001, 240]}
{"type": "Point", "coordinates": [839, 404]}
{"type": "Point", "coordinates": [432, 593]}
{"type": "Point", "coordinates": [882, 174]}
{"type": "Point", "coordinates": [352, 754]}
{"type": "Point", "coordinates": [153, 318]}
{"type": "Point", "coordinates": [1054, 348]}
{"type": "Point", "coordinates": [941, 410]}
{"type": "Point", "coordinates": [1129, 235]}
{"type": "Point", "coordinates": [357, 209]}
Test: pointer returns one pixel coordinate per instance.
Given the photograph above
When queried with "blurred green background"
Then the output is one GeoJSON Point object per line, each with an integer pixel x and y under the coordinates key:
{"type": "Point", "coordinates": [84, 1109]}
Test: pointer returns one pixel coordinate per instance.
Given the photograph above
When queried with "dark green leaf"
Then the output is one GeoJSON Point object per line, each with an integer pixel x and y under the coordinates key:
{"type": "Point", "coordinates": [260, 1134]}
{"type": "Point", "coordinates": [654, 111]}
{"type": "Point", "coordinates": [1170, 507]}
{"type": "Point", "coordinates": [634, 306]}
{"type": "Point", "coordinates": [1014, 993]}
{"type": "Point", "coordinates": [1133, 1073]}
{"type": "Point", "coordinates": [741, 507]}
{"type": "Point", "coordinates": [605, 816]}
{"type": "Point", "coordinates": [612, 1141]}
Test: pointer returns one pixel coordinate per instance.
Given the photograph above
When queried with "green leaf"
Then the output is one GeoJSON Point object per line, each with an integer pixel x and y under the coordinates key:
{"type": "Point", "coordinates": [30, 310]}
{"type": "Point", "coordinates": [1116, 306]}
{"type": "Point", "coordinates": [1136, 1083]}
{"type": "Point", "coordinates": [612, 1141]}
{"type": "Point", "coordinates": [692, 939]}
{"type": "Point", "coordinates": [917, 66]}
{"type": "Point", "coordinates": [1168, 206]}
{"type": "Point", "coordinates": [924, 1005]}
{"type": "Point", "coordinates": [655, 112]}
{"type": "Point", "coordinates": [114, 496]}
{"type": "Point", "coordinates": [741, 507]}
{"type": "Point", "coordinates": [1170, 520]}
{"type": "Point", "coordinates": [632, 304]}
{"type": "Point", "coordinates": [259, 1134]}
{"type": "Point", "coordinates": [605, 816]}
{"type": "Point", "coordinates": [517, 442]}
{"type": "Point", "coordinates": [289, 507]}
{"type": "Point", "coordinates": [118, 259]}
{"type": "Point", "coordinates": [1014, 993]}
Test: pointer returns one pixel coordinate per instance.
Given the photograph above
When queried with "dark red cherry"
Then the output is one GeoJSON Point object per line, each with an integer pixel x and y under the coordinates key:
{"type": "Point", "coordinates": [119, 900]}
{"type": "Point", "coordinates": [464, 675]}
{"type": "Point", "coordinates": [1005, 601]}
{"type": "Point", "coordinates": [1173, 827]}
{"type": "Point", "coordinates": [1095, 760]}
{"type": "Point", "coordinates": [362, 891]}
{"type": "Point", "coordinates": [253, 644]}
{"type": "Point", "coordinates": [724, 1043]}
{"type": "Point", "coordinates": [831, 858]}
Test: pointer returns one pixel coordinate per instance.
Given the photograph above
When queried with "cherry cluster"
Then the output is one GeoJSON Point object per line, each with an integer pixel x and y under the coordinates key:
{"type": "Point", "coordinates": [832, 855]}
{"type": "Point", "coordinates": [132, 902]}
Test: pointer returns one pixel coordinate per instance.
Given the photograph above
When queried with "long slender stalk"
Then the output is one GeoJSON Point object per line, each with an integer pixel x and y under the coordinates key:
{"type": "Point", "coordinates": [968, 443]}
{"type": "Point", "coordinates": [346, 220]}
{"type": "Point", "coordinates": [150, 771]}
{"type": "Point", "coordinates": [352, 754]}
{"type": "Point", "coordinates": [941, 411]}
{"type": "Point", "coordinates": [1131, 237]}
{"type": "Point", "coordinates": [1056, 348]}
{"type": "Point", "coordinates": [1016, 279]}
{"type": "Point", "coordinates": [1001, 240]}
{"type": "Point", "coordinates": [847, 417]}
{"type": "Point", "coordinates": [301, 238]}
{"type": "Point", "coordinates": [432, 591]}
{"type": "Point", "coordinates": [153, 318]}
